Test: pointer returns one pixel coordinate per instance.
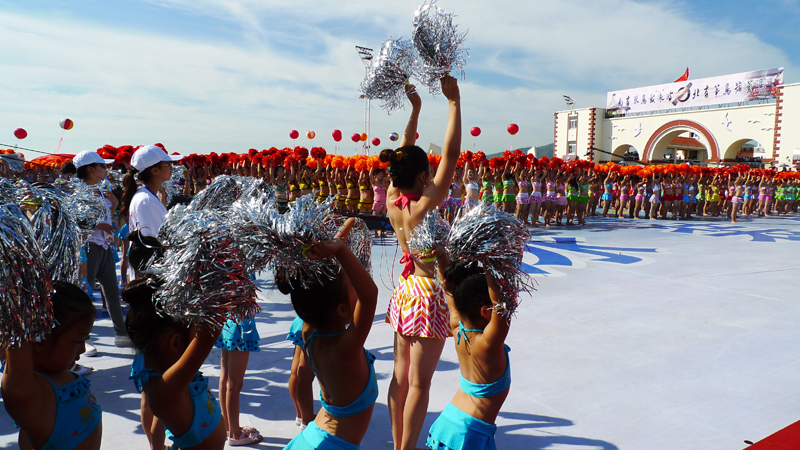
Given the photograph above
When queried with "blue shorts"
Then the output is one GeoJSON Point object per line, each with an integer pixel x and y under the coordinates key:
{"type": "Point", "coordinates": [607, 197]}
{"type": "Point", "coordinates": [296, 333]}
{"type": "Point", "coordinates": [239, 337]}
{"type": "Point", "coordinates": [456, 430]}
{"type": "Point", "coordinates": [313, 438]}
{"type": "Point", "coordinates": [687, 199]}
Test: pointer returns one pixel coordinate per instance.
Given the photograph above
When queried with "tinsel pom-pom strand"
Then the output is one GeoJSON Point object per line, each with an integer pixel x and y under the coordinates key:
{"type": "Point", "coordinates": [220, 194]}
{"type": "Point", "coordinates": [433, 230]}
{"type": "Point", "coordinates": [391, 69]}
{"type": "Point", "coordinates": [26, 314]}
{"type": "Point", "coordinates": [298, 230]}
{"type": "Point", "coordinates": [497, 240]}
{"type": "Point", "coordinates": [87, 206]}
{"type": "Point", "coordinates": [57, 232]}
{"type": "Point", "coordinates": [205, 280]}
{"type": "Point", "coordinates": [438, 44]}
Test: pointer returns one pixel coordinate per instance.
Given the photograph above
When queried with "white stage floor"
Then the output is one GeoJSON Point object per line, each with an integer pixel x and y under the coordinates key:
{"type": "Point", "coordinates": [642, 335]}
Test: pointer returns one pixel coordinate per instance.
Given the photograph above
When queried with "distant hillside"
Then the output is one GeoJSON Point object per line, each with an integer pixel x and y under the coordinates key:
{"type": "Point", "coordinates": [544, 150]}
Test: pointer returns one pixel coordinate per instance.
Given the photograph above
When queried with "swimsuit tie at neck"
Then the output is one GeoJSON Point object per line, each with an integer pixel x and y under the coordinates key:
{"type": "Point", "coordinates": [405, 200]}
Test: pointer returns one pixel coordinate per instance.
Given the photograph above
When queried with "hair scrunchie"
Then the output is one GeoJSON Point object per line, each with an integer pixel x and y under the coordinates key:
{"type": "Point", "coordinates": [395, 169]}
{"type": "Point", "coordinates": [399, 155]}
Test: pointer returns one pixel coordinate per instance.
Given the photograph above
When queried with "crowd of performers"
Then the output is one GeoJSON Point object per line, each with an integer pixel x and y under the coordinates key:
{"type": "Point", "coordinates": [544, 191]}
{"type": "Point", "coordinates": [54, 407]}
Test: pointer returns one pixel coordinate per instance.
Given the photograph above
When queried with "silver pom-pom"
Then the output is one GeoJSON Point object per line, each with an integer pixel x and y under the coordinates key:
{"type": "Point", "coordinates": [495, 239]}
{"type": "Point", "coordinates": [431, 231]}
{"type": "Point", "coordinates": [297, 230]}
{"type": "Point", "coordinates": [220, 194]}
{"type": "Point", "coordinates": [57, 232]}
{"type": "Point", "coordinates": [205, 280]}
{"type": "Point", "coordinates": [88, 206]}
{"type": "Point", "coordinates": [359, 241]}
{"type": "Point", "coordinates": [26, 314]}
{"type": "Point", "coordinates": [391, 69]}
{"type": "Point", "coordinates": [438, 44]}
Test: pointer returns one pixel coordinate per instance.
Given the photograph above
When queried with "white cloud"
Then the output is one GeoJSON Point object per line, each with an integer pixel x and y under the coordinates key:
{"type": "Point", "coordinates": [295, 67]}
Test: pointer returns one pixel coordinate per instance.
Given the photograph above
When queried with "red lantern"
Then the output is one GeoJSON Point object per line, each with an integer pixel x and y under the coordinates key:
{"type": "Point", "coordinates": [376, 142]}
{"type": "Point", "coordinates": [294, 134]}
{"type": "Point", "coordinates": [475, 131]}
{"type": "Point", "coordinates": [66, 124]}
{"type": "Point", "coordinates": [20, 133]}
{"type": "Point", "coordinates": [513, 129]}
{"type": "Point", "coordinates": [311, 134]}
{"type": "Point", "coordinates": [337, 135]}
{"type": "Point", "coordinates": [356, 137]}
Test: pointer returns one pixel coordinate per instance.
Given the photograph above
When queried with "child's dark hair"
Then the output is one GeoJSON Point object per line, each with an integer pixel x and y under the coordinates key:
{"type": "Point", "coordinates": [68, 168]}
{"type": "Point", "coordinates": [405, 164]}
{"type": "Point", "coordinates": [144, 323]}
{"type": "Point", "coordinates": [70, 304]}
{"type": "Point", "coordinates": [142, 250]}
{"type": "Point", "coordinates": [314, 301]}
{"type": "Point", "coordinates": [466, 282]}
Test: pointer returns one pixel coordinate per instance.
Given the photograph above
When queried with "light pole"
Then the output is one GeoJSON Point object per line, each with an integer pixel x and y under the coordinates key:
{"type": "Point", "coordinates": [366, 57]}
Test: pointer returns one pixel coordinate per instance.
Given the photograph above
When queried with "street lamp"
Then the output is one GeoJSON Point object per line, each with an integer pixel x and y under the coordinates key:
{"type": "Point", "coordinates": [366, 57]}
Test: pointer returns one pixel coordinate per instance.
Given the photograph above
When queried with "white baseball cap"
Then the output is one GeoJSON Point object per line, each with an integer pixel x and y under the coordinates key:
{"type": "Point", "coordinates": [150, 156]}
{"type": "Point", "coordinates": [89, 157]}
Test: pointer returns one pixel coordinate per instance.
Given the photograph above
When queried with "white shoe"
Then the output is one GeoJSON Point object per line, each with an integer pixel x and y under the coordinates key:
{"type": "Point", "coordinates": [298, 421]}
{"type": "Point", "coordinates": [82, 370]}
{"type": "Point", "coordinates": [91, 350]}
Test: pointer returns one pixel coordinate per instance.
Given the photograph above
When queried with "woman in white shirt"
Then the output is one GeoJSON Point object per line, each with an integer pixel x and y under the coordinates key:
{"type": "Point", "coordinates": [151, 166]}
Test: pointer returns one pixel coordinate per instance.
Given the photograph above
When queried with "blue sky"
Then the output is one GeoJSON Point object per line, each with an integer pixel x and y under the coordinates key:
{"type": "Point", "coordinates": [228, 75]}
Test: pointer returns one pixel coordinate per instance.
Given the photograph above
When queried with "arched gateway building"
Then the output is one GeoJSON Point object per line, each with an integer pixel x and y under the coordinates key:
{"type": "Point", "coordinates": [749, 117]}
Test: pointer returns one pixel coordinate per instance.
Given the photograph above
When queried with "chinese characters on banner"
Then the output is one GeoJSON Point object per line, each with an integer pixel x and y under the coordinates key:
{"type": "Point", "coordinates": [740, 87]}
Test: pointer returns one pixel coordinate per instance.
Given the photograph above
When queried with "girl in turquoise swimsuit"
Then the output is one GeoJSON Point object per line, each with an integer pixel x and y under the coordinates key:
{"type": "Point", "coordinates": [166, 369]}
{"type": "Point", "coordinates": [53, 407]}
{"type": "Point", "coordinates": [338, 316]}
{"type": "Point", "coordinates": [480, 334]}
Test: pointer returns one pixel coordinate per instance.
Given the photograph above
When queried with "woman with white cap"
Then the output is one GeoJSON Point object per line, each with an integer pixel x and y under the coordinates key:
{"type": "Point", "coordinates": [145, 211]}
{"type": "Point", "coordinates": [151, 166]}
{"type": "Point", "coordinates": [100, 266]}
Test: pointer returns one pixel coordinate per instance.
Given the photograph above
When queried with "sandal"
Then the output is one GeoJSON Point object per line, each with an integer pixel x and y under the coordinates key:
{"type": "Point", "coordinates": [246, 438]}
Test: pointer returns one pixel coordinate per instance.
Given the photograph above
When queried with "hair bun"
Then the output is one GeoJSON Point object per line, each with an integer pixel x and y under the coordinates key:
{"type": "Point", "coordinates": [388, 155]}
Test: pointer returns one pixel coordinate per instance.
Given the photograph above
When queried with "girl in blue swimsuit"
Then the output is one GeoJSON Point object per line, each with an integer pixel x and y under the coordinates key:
{"type": "Point", "coordinates": [166, 369]}
{"type": "Point", "coordinates": [54, 408]}
{"type": "Point", "coordinates": [480, 333]}
{"type": "Point", "coordinates": [338, 316]}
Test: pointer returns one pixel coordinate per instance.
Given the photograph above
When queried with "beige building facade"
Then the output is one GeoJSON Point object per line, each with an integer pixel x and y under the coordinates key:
{"type": "Point", "coordinates": [760, 131]}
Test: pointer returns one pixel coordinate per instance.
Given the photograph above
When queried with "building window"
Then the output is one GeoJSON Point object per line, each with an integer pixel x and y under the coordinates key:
{"type": "Point", "coordinates": [693, 154]}
{"type": "Point", "coordinates": [573, 122]}
{"type": "Point", "coordinates": [572, 147]}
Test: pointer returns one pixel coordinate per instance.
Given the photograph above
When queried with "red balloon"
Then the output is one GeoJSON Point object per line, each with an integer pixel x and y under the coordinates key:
{"type": "Point", "coordinates": [356, 137]}
{"type": "Point", "coordinates": [417, 136]}
{"type": "Point", "coordinates": [20, 133]}
{"type": "Point", "coordinates": [513, 129]}
{"type": "Point", "coordinates": [376, 142]}
{"type": "Point", "coordinates": [294, 134]}
{"type": "Point", "coordinates": [337, 135]}
{"type": "Point", "coordinates": [475, 131]}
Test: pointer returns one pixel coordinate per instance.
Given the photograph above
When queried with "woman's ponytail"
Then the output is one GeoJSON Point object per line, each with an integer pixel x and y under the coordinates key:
{"type": "Point", "coordinates": [129, 182]}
